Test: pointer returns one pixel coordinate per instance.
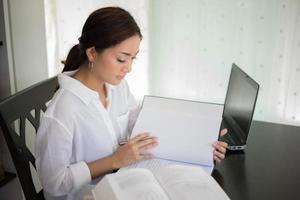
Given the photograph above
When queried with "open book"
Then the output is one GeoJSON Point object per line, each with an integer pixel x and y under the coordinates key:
{"type": "Point", "coordinates": [185, 129]}
{"type": "Point", "coordinates": [171, 182]}
{"type": "Point", "coordinates": [155, 164]}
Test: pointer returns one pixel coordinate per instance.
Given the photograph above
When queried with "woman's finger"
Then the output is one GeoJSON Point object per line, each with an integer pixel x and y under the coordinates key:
{"type": "Point", "coordinates": [145, 141]}
{"type": "Point", "coordinates": [221, 143]}
{"type": "Point", "coordinates": [148, 146]}
{"type": "Point", "coordinates": [219, 154]}
{"type": "Point", "coordinates": [140, 136]}
{"type": "Point", "coordinates": [223, 131]}
{"type": "Point", "coordinates": [220, 148]}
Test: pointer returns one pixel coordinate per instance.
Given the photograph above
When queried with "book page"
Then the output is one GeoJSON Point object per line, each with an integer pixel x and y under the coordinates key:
{"type": "Point", "coordinates": [103, 190]}
{"type": "Point", "coordinates": [189, 182]}
{"type": "Point", "coordinates": [133, 184]}
{"type": "Point", "coordinates": [185, 129]}
{"type": "Point", "coordinates": [154, 165]}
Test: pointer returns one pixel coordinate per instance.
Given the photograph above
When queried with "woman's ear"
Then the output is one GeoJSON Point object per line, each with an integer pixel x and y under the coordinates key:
{"type": "Point", "coordinates": [91, 54]}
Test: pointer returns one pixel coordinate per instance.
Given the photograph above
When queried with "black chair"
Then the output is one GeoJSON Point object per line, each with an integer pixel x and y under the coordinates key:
{"type": "Point", "coordinates": [26, 105]}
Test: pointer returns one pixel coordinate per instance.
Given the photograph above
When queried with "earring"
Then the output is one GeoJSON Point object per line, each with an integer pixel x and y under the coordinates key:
{"type": "Point", "coordinates": [91, 66]}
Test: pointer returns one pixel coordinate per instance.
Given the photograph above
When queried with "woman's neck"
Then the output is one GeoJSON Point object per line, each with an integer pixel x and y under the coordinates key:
{"type": "Point", "coordinates": [89, 80]}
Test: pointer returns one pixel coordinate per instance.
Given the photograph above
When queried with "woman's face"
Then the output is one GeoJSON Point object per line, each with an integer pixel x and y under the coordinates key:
{"type": "Point", "coordinates": [112, 64]}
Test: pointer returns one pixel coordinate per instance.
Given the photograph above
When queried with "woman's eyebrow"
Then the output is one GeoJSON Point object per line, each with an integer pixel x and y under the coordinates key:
{"type": "Point", "coordinates": [128, 54]}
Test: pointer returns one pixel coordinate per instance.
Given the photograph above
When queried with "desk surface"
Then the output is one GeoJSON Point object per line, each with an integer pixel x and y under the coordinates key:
{"type": "Point", "coordinates": [268, 169]}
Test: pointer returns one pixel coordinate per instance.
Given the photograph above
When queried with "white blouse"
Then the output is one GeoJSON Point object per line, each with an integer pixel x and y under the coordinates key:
{"type": "Point", "coordinates": [76, 129]}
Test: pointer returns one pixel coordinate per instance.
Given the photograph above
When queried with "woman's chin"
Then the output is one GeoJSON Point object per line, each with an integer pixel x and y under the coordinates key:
{"type": "Point", "coordinates": [115, 81]}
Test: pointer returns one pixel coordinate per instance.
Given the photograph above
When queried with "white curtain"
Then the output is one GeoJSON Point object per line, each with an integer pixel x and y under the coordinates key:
{"type": "Point", "coordinates": [189, 46]}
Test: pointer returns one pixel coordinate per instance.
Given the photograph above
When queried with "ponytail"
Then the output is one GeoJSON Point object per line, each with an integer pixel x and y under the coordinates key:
{"type": "Point", "coordinates": [74, 59]}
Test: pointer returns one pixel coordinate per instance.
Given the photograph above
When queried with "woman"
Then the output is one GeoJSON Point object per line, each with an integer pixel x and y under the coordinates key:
{"type": "Point", "coordinates": [93, 109]}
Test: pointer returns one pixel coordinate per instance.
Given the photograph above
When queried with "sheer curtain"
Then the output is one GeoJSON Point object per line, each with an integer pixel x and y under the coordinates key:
{"type": "Point", "coordinates": [193, 44]}
{"type": "Point", "coordinates": [189, 46]}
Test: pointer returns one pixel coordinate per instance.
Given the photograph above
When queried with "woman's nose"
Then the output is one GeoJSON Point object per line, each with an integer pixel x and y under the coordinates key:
{"type": "Point", "coordinates": [127, 68]}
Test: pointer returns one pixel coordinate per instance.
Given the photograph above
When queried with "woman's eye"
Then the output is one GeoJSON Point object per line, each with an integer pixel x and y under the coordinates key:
{"type": "Point", "coordinates": [121, 61]}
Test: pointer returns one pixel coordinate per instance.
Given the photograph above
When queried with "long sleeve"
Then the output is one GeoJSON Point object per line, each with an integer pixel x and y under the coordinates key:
{"type": "Point", "coordinates": [53, 154]}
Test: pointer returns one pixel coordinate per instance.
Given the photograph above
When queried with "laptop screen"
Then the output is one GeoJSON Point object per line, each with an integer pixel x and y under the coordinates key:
{"type": "Point", "coordinates": [240, 100]}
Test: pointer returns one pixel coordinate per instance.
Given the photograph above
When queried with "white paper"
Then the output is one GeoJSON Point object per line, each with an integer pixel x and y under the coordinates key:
{"type": "Point", "coordinates": [186, 130]}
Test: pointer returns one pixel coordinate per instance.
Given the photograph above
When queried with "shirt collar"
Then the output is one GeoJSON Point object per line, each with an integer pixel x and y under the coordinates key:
{"type": "Point", "coordinates": [77, 88]}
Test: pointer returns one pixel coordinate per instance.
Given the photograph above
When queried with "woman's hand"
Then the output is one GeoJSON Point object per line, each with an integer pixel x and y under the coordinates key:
{"type": "Point", "coordinates": [134, 150]}
{"type": "Point", "coordinates": [220, 148]}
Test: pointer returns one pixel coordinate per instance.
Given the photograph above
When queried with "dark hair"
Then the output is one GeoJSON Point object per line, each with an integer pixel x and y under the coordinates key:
{"type": "Point", "coordinates": [104, 28]}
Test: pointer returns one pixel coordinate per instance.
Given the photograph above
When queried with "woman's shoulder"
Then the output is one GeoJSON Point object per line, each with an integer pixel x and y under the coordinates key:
{"type": "Point", "coordinates": [63, 105]}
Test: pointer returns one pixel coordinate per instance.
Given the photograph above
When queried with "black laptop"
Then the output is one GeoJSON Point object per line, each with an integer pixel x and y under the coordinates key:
{"type": "Point", "coordinates": [239, 107]}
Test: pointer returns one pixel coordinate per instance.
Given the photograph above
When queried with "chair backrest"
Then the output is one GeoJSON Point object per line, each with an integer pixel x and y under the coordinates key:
{"type": "Point", "coordinates": [15, 112]}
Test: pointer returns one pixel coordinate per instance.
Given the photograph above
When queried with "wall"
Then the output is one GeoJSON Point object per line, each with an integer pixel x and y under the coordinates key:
{"type": "Point", "coordinates": [25, 59]}
{"type": "Point", "coordinates": [27, 20]}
